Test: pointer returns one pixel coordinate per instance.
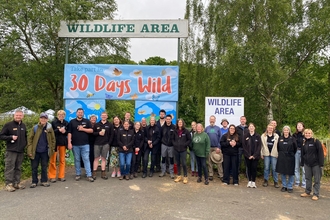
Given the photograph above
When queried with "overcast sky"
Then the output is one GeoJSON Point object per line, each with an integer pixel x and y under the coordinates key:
{"type": "Point", "coordinates": [143, 48]}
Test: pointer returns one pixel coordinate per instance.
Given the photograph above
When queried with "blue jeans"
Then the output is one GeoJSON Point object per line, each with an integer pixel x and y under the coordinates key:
{"type": "Point", "coordinates": [83, 152]}
{"type": "Point", "coordinates": [192, 161]}
{"type": "Point", "coordinates": [287, 184]}
{"type": "Point", "coordinates": [125, 160]}
{"type": "Point", "coordinates": [267, 161]}
{"type": "Point", "coordinates": [297, 169]}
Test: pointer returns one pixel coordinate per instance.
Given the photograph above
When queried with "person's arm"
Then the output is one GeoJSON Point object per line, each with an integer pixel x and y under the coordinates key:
{"type": "Point", "coordinates": [53, 139]}
{"type": "Point", "coordinates": [188, 139]}
{"type": "Point", "coordinates": [142, 141]}
{"type": "Point", "coordinates": [219, 138]}
{"type": "Point", "coordinates": [224, 142]}
{"type": "Point", "coordinates": [4, 134]}
{"type": "Point", "coordinates": [112, 134]}
{"type": "Point", "coordinates": [257, 151]}
{"type": "Point", "coordinates": [295, 146]}
{"type": "Point", "coordinates": [119, 141]}
{"type": "Point", "coordinates": [157, 140]}
{"type": "Point", "coordinates": [302, 155]}
{"type": "Point", "coordinates": [130, 144]}
{"type": "Point", "coordinates": [30, 142]}
{"type": "Point", "coordinates": [207, 145]}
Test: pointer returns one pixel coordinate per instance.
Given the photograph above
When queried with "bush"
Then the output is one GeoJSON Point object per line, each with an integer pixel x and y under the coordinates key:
{"type": "Point", "coordinates": [29, 121]}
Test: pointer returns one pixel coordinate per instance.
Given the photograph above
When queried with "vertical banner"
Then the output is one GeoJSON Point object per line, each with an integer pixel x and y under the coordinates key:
{"type": "Point", "coordinates": [146, 109]}
{"type": "Point", "coordinates": [230, 108]}
{"type": "Point", "coordinates": [91, 107]}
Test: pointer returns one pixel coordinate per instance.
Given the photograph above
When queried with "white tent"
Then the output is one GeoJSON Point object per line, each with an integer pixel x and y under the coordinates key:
{"type": "Point", "coordinates": [50, 113]}
{"type": "Point", "coordinates": [25, 110]}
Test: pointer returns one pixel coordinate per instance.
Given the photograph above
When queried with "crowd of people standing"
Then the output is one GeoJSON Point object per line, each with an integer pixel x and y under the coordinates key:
{"type": "Point", "coordinates": [127, 147]}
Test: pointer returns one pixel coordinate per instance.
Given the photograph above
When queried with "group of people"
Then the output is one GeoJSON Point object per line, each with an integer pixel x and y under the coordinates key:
{"type": "Point", "coordinates": [127, 147]}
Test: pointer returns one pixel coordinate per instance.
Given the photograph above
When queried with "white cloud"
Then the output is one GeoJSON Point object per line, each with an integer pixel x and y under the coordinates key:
{"type": "Point", "coordinates": [144, 110]}
{"type": "Point", "coordinates": [91, 105]}
{"type": "Point", "coordinates": [110, 71]}
{"type": "Point", "coordinates": [135, 73]}
{"type": "Point", "coordinates": [169, 72]}
{"type": "Point", "coordinates": [167, 106]}
{"type": "Point", "coordinates": [72, 94]}
{"type": "Point", "coordinates": [152, 96]}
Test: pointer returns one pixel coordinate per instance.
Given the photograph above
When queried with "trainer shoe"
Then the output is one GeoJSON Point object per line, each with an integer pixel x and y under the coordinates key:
{"type": "Point", "coordinates": [10, 188]}
{"type": "Point", "coordinates": [19, 186]}
{"type": "Point", "coordinates": [52, 180]}
{"type": "Point", "coordinates": [45, 184]}
{"type": "Point", "coordinates": [253, 185]}
{"type": "Point", "coordinates": [265, 184]}
{"type": "Point", "coordinates": [113, 175]}
{"type": "Point", "coordinates": [178, 179]}
{"type": "Point", "coordinates": [118, 174]}
{"type": "Point", "coordinates": [61, 179]}
{"type": "Point", "coordinates": [225, 184]}
{"type": "Point", "coordinates": [276, 185]}
{"type": "Point", "coordinates": [162, 174]}
{"type": "Point", "coordinates": [90, 179]}
{"type": "Point", "coordinates": [303, 186]}
{"type": "Point", "coordinates": [185, 180]}
{"type": "Point", "coordinates": [77, 177]}
{"type": "Point", "coordinates": [249, 185]}
{"type": "Point", "coordinates": [172, 176]}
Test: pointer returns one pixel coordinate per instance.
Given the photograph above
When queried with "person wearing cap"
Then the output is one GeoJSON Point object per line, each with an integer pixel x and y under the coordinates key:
{"type": "Point", "coordinates": [41, 146]}
{"type": "Point", "coordinates": [60, 126]}
{"type": "Point", "coordinates": [224, 128]}
{"type": "Point", "coordinates": [214, 133]}
{"type": "Point", "coordinates": [15, 135]}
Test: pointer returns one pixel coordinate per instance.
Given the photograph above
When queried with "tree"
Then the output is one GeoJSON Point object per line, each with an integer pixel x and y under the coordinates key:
{"type": "Point", "coordinates": [252, 48]}
{"type": "Point", "coordinates": [32, 28]}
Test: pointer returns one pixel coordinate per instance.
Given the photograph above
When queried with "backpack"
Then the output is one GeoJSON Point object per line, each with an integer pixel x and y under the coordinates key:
{"type": "Point", "coordinates": [325, 150]}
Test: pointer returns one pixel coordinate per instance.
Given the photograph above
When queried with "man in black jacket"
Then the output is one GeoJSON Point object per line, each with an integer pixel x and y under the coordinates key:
{"type": "Point", "coordinates": [167, 146]}
{"type": "Point", "coordinates": [15, 135]}
{"type": "Point", "coordinates": [241, 130]}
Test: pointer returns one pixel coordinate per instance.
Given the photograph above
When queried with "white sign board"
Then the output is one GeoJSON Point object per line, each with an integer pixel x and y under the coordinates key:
{"type": "Point", "coordinates": [230, 108]}
{"type": "Point", "coordinates": [125, 28]}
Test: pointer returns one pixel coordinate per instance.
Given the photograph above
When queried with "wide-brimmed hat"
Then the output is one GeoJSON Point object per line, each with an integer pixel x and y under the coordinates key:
{"type": "Point", "coordinates": [216, 158]}
{"type": "Point", "coordinates": [224, 119]}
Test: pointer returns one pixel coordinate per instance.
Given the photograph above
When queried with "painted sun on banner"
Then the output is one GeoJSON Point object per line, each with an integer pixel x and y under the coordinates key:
{"type": "Point", "coordinates": [121, 82]}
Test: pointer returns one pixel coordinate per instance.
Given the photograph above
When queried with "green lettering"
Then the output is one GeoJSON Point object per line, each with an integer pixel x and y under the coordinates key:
{"type": "Point", "coordinates": [105, 28]}
{"type": "Point", "coordinates": [165, 28]}
{"type": "Point", "coordinates": [98, 28]}
{"type": "Point", "coordinates": [72, 27]}
{"type": "Point", "coordinates": [113, 28]}
{"type": "Point", "coordinates": [82, 28]}
{"type": "Point", "coordinates": [154, 28]}
{"type": "Point", "coordinates": [121, 27]}
{"type": "Point", "coordinates": [87, 28]}
{"type": "Point", "coordinates": [175, 28]}
{"type": "Point", "coordinates": [130, 28]}
{"type": "Point", "coordinates": [145, 28]}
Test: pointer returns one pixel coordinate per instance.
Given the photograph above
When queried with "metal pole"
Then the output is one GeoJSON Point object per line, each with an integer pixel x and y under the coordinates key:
{"type": "Point", "coordinates": [67, 50]}
{"type": "Point", "coordinates": [178, 59]}
{"type": "Point", "coordinates": [179, 46]}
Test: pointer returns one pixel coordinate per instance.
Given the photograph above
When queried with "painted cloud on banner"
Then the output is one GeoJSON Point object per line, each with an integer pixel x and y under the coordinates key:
{"type": "Point", "coordinates": [167, 106]}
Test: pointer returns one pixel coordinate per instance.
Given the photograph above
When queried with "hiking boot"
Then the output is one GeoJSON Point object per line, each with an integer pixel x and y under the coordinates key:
{"type": "Point", "coordinates": [185, 180]}
{"type": "Point", "coordinates": [144, 175]}
{"type": "Point", "coordinates": [178, 179]}
{"type": "Point", "coordinates": [77, 177]}
{"type": "Point", "coordinates": [151, 174]}
{"type": "Point", "coordinates": [284, 189]}
{"type": "Point", "coordinates": [162, 174]}
{"type": "Point", "coordinates": [61, 179]}
{"type": "Point", "coordinates": [121, 177]}
{"type": "Point", "coordinates": [104, 175]}
{"type": "Point", "coordinates": [33, 185]}
{"type": "Point", "coordinates": [52, 180]}
{"type": "Point", "coordinates": [172, 176]}
{"type": "Point", "coordinates": [199, 179]}
{"type": "Point", "coordinates": [131, 176]}
{"type": "Point", "coordinates": [19, 186]}
{"type": "Point", "coordinates": [139, 170]}
{"type": "Point", "coordinates": [10, 188]}
{"type": "Point", "coordinates": [265, 184]}
{"type": "Point", "coordinates": [315, 198]}
{"type": "Point", "coordinates": [192, 173]}
{"type": "Point", "coordinates": [276, 185]}
{"type": "Point", "coordinates": [135, 175]}
{"type": "Point", "coordinates": [305, 194]}
{"type": "Point", "coordinates": [127, 177]}
{"type": "Point", "coordinates": [45, 184]}
{"type": "Point", "coordinates": [206, 182]}
{"type": "Point", "coordinates": [210, 178]}
{"type": "Point", "coordinates": [290, 190]}
{"type": "Point", "coordinates": [90, 179]}
{"type": "Point", "coordinates": [94, 174]}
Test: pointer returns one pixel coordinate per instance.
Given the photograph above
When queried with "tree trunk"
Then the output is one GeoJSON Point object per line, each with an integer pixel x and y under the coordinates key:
{"type": "Point", "coordinates": [270, 115]}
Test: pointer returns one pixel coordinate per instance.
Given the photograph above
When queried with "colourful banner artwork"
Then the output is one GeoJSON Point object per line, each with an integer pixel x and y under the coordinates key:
{"type": "Point", "coordinates": [146, 109]}
{"type": "Point", "coordinates": [91, 107]}
{"type": "Point", "coordinates": [121, 82]}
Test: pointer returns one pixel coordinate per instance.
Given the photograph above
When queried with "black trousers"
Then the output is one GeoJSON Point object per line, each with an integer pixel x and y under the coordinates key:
{"type": "Point", "coordinates": [251, 168]}
{"type": "Point", "coordinates": [146, 159]}
{"type": "Point", "coordinates": [43, 159]}
{"type": "Point", "coordinates": [181, 158]}
{"type": "Point", "coordinates": [230, 164]}
{"type": "Point", "coordinates": [201, 163]}
{"type": "Point", "coordinates": [136, 161]}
